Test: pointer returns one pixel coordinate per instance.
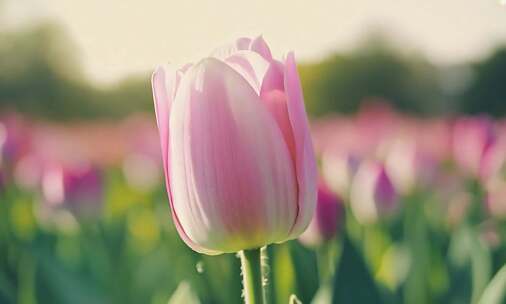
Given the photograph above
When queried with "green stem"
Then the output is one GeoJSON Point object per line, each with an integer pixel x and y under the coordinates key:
{"type": "Point", "coordinates": [266, 275]}
{"type": "Point", "coordinates": [252, 276]}
{"type": "Point", "coordinates": [323, 263]}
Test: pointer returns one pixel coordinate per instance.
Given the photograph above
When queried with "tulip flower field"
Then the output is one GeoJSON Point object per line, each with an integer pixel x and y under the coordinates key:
{"type": "Point", "coordinates": [409, 210]}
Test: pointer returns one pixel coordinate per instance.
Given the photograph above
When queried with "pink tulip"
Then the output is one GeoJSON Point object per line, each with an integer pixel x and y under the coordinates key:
{"type": "Point", "coordinates": [493, 163]}
{"type": "Point", "coordinates": [237, 153]}
{"type": "Point", "coordinates": [472, 138]}
{"type": "Point", "coordinates": [338, 170]}
{"type": "Point", "coordinates": [373, 195]}
{"type": "Point", "coordinates": [15, 139]}
{"type": "Point", "coordinates": [142, 161]}
{"type": "Point", "coordinates": [408, 166]}
{"type": "Point", "coordinates": [328, 218]}
{"type": "Point", "coordinates": [76, 188]}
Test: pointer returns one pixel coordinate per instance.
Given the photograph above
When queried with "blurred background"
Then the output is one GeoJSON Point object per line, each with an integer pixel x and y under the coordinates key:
{"type": "Point", "coordinates": [411, 94]}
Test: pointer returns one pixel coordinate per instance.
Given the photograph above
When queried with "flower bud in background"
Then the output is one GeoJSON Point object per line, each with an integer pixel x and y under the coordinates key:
{"type": "Point", "coordinates": [327, 220]}
{"type": "Point", "coordinates": [373, 195]}
{"type": "Point", "coordinates": [493, 164]}
{"type": "Point", "coordinates": [76, 188]}
{"type": "Point", "coordinates": [408, 166]}
{"type": "Point", "coordinates": [142, 161]}
{"type": "Point", "coordinates": [237, 153]}
{"type": "Point", "coordinates": [338, 170]}
{"type": "Point", "coordinates": [2, 180]}
{"type": "Point", "coordinates": [495, 198]}
{"type": "Point", "coordinates": [15, 139]}
{"type": "Point", "coordinates": [472, 138]}
{"type": "Point", "coordinates": [28, 172]}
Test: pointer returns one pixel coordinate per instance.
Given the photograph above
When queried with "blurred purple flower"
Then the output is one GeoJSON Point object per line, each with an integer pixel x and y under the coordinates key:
{"type": "Point", "coordinates": [15, 139]}
{"type": "Point", "coordinates": [327, 220]}
{"type": "Point", "coordinates": [338, 170]}
{"type": "Point", "coordinates": [78, 189]}
{"type": "Point", "coordinates": [373, 195]}
{"type": "Point", "coordinates": [408, 166]}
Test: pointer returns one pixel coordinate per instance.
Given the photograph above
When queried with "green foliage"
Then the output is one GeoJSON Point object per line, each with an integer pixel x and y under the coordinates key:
{"type": "Point", "coordinates": [487, 93]}
{"type": "Point", "coordinates": [40, 74]}
{"type": "Point", "coordinates": [340, 83]}
{"type": "Point", "coordinates": [495, 293]}
{"type": "Point", "coordinates": [353, 281]}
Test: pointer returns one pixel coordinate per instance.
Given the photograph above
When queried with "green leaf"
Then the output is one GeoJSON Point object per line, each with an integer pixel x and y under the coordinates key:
{"type": "Point", "coordinates": [353, 282]}
{"type": "Point", "coordinates": [495, 292]}
{"type": "Point", "coordinates": [306, 273]}
{"type": "Point", "coordinates": [480, 267]}
{"type": "Point", "coordinates": [284, 277]}
{"type": "Point", "coordinates": [65, 285]}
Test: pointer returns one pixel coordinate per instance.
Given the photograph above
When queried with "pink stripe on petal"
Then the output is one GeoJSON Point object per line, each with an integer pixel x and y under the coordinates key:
{"type": "Point", "coordinates": [305, 159]}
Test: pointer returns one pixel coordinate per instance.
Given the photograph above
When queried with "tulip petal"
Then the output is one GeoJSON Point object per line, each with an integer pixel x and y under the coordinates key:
{"type": "Point", "coordinates": [275, 100]}
{"type": "Point", "coordinates": [259, 46]}
{"type": "Point", "coordinates": [305, 159]}
{"type": "Point", "coordinates": [273, 78]}
{"type": "Point", "coordinates": [164, 83]}
{"type": "Point", "coordinates": [239, 179]}
{"type": "Point", "coordinates": [225, 51]}
{"type": "Point", "coordinates": [251, 66]}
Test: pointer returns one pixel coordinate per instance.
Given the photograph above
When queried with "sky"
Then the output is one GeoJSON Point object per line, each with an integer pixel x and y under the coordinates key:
{"type": "Point", "coordinates": [118, 37]}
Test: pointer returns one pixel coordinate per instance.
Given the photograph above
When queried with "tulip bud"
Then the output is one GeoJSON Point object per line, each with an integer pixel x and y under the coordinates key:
{"type": "Point", "coordinates": [493, 163]}
{"type": "Point", "coordinates": [141, 164]}
{"type": "Point", "coordinates": [15, 139]}
{"type": "Point", "coordinates": [373, 195]}
{"type": "Point", "coordinates": [472, 138]}
{"type": "Point", "coordinates": [327, 220]}
{"type": "Point", "coordinates": [237, 154]}
{"type": "Point", "coordinates": [338, 171]}
{"type": "Point", "coordinates": [408, 166]}
{"type": "Point", "coordinates": [77, 189]}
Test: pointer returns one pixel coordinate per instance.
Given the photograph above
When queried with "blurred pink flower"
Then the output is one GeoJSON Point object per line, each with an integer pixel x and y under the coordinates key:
{"type": "Point", "coordinates": [493, 163]}
{"type": "Point", "coordinates": [408, 166]}
{"type": "Point", "coordinates": [327, 220]}
{"type": "Point", "coordinates": [373, 195]}
{"type": "Point", "coordinates": [338, 170]}
{"type": "Point", "coordinates": [142, 160]}
{"type": "Point", "coordinates": [472, 139]}
{"type": "Point", "coordinates": [77, 188]}
{"type": "Point", "coordinates": [15, 139]}
{"type": "Point", "coordinates": [237, 152]}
